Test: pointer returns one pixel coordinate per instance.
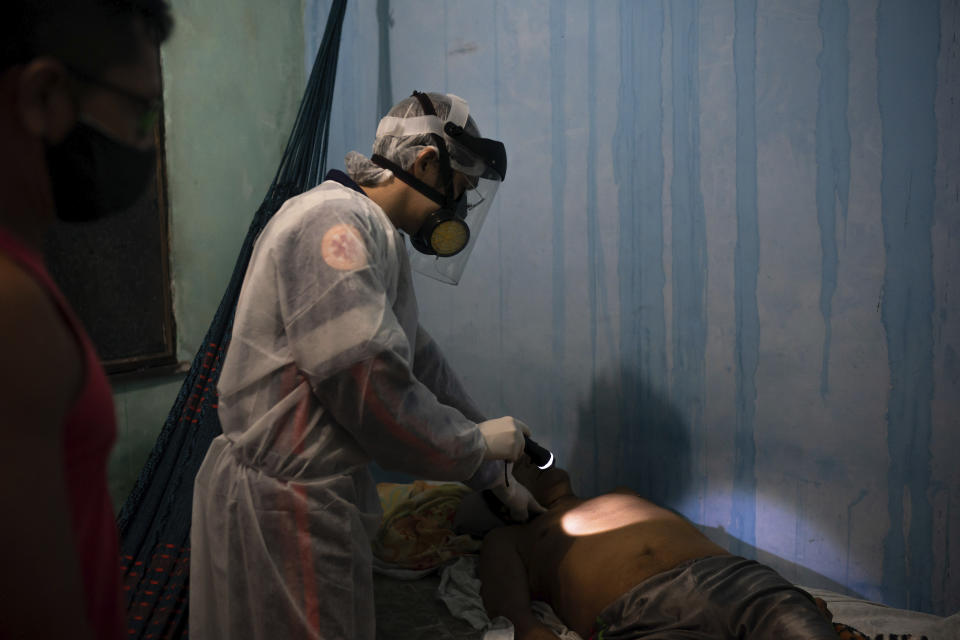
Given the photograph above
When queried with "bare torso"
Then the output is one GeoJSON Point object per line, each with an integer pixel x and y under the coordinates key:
{"type": "Point", "coordinates": [582, 555]}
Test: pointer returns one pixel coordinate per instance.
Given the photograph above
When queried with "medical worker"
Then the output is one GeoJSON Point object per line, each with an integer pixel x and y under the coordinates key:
{"type": "Point", "coordinates": [328, 369]}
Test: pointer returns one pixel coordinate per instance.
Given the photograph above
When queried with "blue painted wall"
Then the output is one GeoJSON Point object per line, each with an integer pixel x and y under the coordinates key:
{"type": "Point", "coordinates": [724, 266]}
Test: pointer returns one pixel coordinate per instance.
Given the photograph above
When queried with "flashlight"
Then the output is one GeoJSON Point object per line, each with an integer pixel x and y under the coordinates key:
{"type": "Point", "coordinates": [537, 454]}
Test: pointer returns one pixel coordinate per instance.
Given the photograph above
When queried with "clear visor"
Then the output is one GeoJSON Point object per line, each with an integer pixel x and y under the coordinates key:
{"type": "Point", "coordinates": [479, 200]}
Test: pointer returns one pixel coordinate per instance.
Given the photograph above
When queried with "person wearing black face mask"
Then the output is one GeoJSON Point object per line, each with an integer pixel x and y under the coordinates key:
{"type": "Point", "coordinates": [95, 172]}
{"type": "Point", "coordinates": [79, 86]}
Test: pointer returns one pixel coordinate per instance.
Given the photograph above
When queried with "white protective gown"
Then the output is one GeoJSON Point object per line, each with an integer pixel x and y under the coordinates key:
{"type": "Point", "coordinates": [327, 369]}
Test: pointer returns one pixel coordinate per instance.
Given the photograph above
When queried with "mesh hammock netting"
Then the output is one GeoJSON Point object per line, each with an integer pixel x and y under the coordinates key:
{"type": "Point", "coordinates": [154, 522]}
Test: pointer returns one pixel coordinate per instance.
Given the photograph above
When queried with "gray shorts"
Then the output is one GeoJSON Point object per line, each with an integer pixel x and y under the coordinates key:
{"type": "Point", "coordinates": [715, 598]}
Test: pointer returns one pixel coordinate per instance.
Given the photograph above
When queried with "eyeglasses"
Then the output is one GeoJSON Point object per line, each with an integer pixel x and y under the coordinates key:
{"type": "Point", "coordinates": [149, 107]}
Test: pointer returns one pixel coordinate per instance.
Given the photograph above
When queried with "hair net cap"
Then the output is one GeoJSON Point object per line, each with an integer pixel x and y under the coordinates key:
{"type": "Point", "coordinates": [405, 131]}
{"type": "Point", "coordinates": [363, 171]}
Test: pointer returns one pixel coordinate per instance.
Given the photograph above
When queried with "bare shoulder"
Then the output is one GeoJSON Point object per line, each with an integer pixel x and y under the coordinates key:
{"type": "Point", "coordinates": [41, 370]}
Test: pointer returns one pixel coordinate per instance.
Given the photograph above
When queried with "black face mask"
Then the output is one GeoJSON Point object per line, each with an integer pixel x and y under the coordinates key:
{"type": "Point", "coordinates": [93, 175]}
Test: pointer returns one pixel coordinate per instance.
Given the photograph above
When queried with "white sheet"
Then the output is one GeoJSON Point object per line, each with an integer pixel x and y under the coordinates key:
{"type": "Point", "coordinates": [873, 618]}
{"type": "Point", "coordinates": [460, 591]}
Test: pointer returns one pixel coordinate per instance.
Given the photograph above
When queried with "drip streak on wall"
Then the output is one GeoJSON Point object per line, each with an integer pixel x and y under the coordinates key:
{"type": "Point", "coordinates": [688, 240]}
{"type": "Point", "coordinates": [558, 174]}
{"type": "Point", "coordinates": [384, 77]}
{"type": "Point", "coordinates": [594, 259]}
{"type": "Point", "coordinates": [906, 87]}
{"type": "Point", "coordinates": [746, 267]}
{"type": "Point", "coordinates": [639, 174]}
{"type": "Point", "coordinates": [833, 158]}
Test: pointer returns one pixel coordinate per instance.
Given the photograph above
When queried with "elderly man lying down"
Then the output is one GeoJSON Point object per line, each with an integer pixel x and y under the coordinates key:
{"type": "Point", "coordinates": [618, 566]}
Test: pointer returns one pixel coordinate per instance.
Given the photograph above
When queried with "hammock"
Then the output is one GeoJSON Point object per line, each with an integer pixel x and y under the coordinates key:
{"type": "Point", "coordinates": [154, 523]}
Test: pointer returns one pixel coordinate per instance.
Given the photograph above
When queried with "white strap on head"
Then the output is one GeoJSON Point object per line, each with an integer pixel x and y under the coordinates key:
{"type": "Point", "coordinates": [458, 111]}
{"type": "Point", "coordinates": [422, 125]}
{"type": "Point", "coordinates": [402, 127]}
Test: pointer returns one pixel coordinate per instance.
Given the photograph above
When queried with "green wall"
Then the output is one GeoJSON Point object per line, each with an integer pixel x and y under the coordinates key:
{"type": "Point", "coordinates": [233, 75]}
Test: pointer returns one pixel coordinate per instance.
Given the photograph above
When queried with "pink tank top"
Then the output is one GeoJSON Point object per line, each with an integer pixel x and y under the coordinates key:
{"type": "Point", "coordinates": [89, 429]}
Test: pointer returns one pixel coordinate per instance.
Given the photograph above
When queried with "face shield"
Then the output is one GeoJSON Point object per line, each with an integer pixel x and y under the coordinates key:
{"type": "Point", "coordinates": [441, 247]}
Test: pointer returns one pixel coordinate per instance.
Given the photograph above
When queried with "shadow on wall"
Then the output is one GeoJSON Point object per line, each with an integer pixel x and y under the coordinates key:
{"type": "Point", "coordinates": [629, 434]}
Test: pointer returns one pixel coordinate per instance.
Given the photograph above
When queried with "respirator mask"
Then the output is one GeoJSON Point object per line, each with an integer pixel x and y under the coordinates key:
{"type": "Point", "coordinates": [446, 238]}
